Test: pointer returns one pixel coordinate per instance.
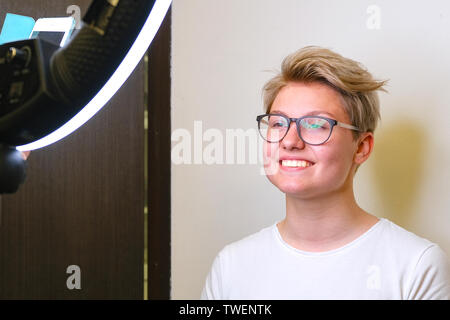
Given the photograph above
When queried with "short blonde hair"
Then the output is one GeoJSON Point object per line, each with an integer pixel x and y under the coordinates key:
{"type": "Point", "coordinates": [355, 84]}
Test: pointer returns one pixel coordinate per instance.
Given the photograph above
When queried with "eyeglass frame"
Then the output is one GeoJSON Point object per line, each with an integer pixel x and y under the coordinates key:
{"type": "Point", "coordinates": [331, 121]}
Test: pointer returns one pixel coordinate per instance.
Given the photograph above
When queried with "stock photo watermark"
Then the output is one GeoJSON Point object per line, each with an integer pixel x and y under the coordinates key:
{"type": "Point", "coordinates": [373, 277]}
{"type": "Point", "coordinates": [214, 146]}
{"type": "Point", "coordinates": [225, 147]}
{"type": "Point", "coordinates": [74, 280]}
{"type": "Point", "coordinates": [75, 12]}
{"type": "Point", "coordinates": [373, 22]}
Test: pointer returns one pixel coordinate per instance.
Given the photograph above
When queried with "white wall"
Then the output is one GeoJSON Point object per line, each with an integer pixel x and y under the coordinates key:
{"type": "Point", "coordinates": [220, 52]}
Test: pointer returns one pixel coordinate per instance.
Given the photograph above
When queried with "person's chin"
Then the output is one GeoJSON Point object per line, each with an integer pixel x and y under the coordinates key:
{"type": "Point", "coordinates": [295, 189]}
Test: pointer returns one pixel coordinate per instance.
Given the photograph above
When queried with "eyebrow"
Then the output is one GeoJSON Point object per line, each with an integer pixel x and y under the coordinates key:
{"type": "Point", "coordinates": [311, 113]}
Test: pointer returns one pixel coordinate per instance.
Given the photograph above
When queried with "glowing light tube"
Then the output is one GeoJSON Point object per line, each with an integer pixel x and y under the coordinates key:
{"type": "Point", "coordinates": [114, 83]}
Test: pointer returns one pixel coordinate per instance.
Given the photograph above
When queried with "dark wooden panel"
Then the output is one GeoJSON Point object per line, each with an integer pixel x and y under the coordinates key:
{"type": "Point", "coordinates": [82, 203]}
{"type": "Point", "coordinates": [159, 144]}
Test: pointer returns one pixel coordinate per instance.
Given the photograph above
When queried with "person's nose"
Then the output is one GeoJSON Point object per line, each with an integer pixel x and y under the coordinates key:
{"type": "Point", "coordinates": [292, 139]}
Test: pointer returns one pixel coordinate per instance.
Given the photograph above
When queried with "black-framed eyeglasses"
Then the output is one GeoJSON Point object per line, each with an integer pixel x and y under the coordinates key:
{"type": "Point", "coordinates": [313, 130]}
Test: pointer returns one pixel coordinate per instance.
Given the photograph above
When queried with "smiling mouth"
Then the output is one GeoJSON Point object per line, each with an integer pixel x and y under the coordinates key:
{"type": "Point", "coordinates": [295, 164]}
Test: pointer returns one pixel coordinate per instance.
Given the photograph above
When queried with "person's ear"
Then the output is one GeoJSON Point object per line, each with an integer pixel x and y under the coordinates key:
{"type": "Point", "coordinates": [364, 147]}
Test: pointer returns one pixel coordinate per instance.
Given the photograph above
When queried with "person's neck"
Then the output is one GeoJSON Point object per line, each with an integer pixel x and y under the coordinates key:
{"type": "Point", "coordinates": [320, 224]}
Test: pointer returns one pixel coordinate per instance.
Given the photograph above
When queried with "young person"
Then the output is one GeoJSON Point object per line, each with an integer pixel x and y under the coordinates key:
{"type": "Point", "coordinates": [321, 114]}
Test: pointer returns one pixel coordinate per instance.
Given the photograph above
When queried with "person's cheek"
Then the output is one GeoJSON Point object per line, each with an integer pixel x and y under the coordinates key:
{"type": "Point", "coordinates": [334, 165]}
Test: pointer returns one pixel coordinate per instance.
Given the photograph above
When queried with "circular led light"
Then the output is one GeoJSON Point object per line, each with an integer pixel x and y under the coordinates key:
{"type": "Point", "coordinates": [114, 83]}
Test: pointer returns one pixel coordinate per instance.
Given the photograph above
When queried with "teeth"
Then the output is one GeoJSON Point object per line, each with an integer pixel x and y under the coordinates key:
{"type": "Point", "coordinates": [295, 163]}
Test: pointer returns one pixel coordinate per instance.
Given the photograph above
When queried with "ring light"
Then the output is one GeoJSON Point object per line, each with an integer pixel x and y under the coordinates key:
{"type": "Point", "coordinates": [47, 92]}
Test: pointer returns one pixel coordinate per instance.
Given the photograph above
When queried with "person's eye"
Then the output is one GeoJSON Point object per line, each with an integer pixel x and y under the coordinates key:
{"type": "Point", "coordinates": [316, 125]}
{"type": "Point", "coordinates": [278, 124]}
{"type": "Point", "coordinates": [312, 126]}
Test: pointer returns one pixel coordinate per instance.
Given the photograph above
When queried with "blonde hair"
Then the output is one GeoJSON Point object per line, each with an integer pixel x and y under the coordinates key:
{"type": "Point", "coordinates": [351, 79]}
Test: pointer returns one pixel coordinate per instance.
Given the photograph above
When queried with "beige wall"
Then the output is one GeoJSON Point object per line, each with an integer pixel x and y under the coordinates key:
{"type": "Point", "coordinates": [220, 53]}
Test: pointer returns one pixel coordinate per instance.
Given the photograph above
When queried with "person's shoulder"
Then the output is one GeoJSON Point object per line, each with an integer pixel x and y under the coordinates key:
{"type": "Point", "coordinates": [252, 243]}
{"type": "Point", "coordinates": [425, 263]}
{"type": "Point", "coordinates": [408, 246]}
{"type": "Point", "coordinates": [399, 238]}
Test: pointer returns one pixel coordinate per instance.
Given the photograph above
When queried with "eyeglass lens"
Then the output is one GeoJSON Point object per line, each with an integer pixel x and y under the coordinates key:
{"type": "Point", "coordinates": [313, 130]}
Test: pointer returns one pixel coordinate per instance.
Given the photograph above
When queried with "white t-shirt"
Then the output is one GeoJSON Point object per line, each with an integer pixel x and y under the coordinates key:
{"type": "Point", "coordinates": [386, 262]}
